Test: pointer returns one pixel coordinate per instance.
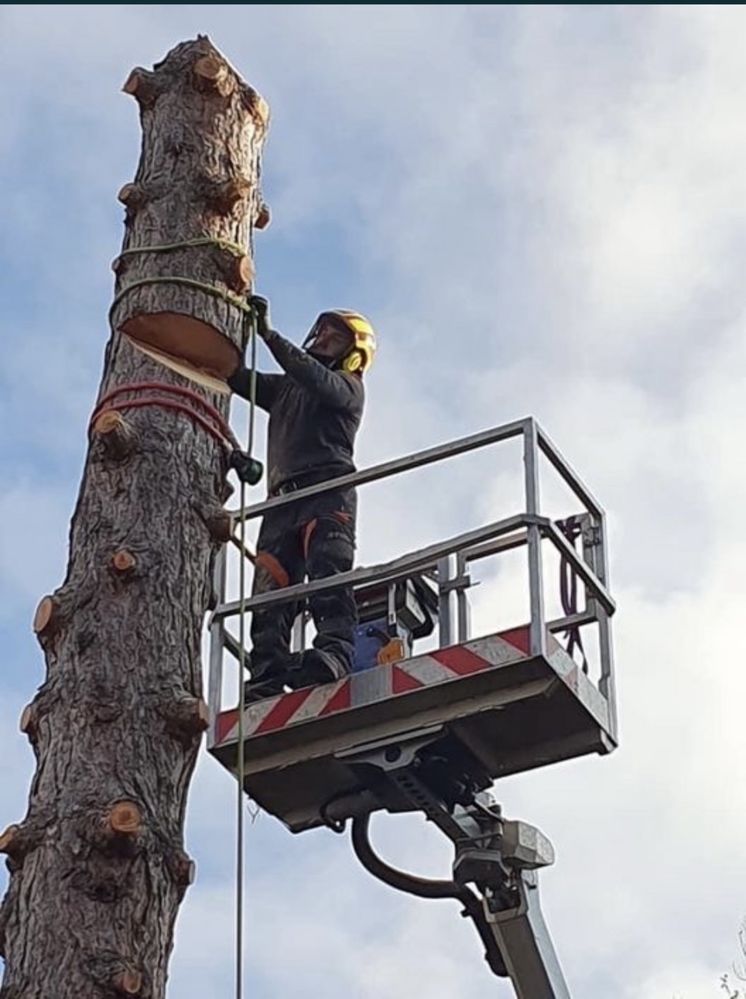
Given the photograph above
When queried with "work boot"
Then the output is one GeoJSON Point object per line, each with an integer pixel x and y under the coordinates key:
{"type": "Point", "coordinates": [263, 686]}
{"type": "Point", "coordinates": [314, 666]}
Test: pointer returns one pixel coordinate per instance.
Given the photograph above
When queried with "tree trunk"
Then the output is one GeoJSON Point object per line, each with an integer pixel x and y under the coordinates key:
{"type": "Point", "coordinates": [98, 866]}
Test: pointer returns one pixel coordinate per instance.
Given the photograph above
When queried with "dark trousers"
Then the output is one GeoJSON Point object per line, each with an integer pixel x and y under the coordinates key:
{"type": "Point", "coordinates": [313, 538]}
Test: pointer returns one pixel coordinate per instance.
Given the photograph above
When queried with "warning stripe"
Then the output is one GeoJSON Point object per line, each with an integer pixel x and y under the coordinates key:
{"type": "Point", "coordinates": [340, 700]}
{"type": "Point", "coordinates": [498, 650]}
{"type": "Point", "coordinates": [255, 714]}
{"type": "Point", "coordinates": [225, 721]}
{"type": "Point", "coordinates": [317, 701]}
{"type": "Point", "coordinates": [519, 637]}
{"type": "Point", "coordinates": [402, 681]}
{"type": "Point", "coordinates": [378, 683]}
{"type": "Point", "coordinates": [461, 660]}
{"type": "Point", "coordinates": [283, 710]}
{"type": "Point", "coordinates": [426, 670]}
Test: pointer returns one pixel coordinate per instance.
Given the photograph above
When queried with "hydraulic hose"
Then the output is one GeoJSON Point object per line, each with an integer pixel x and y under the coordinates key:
{"type": "Point", "coordinates": [427, 888]}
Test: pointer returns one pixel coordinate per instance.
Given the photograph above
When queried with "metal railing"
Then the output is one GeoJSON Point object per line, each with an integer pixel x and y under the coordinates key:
{"type": "Point", "coordinates": [447, 561]}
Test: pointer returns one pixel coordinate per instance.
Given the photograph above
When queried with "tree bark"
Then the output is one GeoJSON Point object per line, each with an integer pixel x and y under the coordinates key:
{"type": "Point", "coordinates": [98, 866]}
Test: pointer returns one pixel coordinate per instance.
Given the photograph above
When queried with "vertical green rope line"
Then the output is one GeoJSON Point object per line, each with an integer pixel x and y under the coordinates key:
{"type": "Point", "coordinates": [252, 386]}
{"type": "Point", "coordinates": [239, 804]}
{"type": "Point", "coordinates": [241, 668]}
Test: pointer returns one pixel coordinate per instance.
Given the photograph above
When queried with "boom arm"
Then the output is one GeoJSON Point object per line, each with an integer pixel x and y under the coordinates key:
{"type": "Point", "coordinates": [499, 857]}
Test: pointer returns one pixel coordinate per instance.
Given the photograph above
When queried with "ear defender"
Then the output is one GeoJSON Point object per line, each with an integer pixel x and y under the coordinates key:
{"type": "Point", "coordinates": [353, 362]}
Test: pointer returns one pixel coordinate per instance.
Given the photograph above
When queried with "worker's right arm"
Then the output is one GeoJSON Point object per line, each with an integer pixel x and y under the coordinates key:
{"type": "Point", "coordinates": [267, 386]}
{"type": "Point", "coordinates": [337, 389]}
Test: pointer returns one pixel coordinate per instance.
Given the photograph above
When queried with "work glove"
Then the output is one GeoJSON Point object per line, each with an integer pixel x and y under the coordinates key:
{"type": "Point", "coordinates": [260, 306]}
{"type": "Point", "coordinates": [260, 309]}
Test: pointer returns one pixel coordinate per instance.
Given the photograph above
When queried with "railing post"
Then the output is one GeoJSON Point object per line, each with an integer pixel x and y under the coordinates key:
{"type": "Point", "coordinates": [448, 604]}
{"type": "Point", "coordinates": [216, 630]}
{"type": "Point", "coordinates": [590, 540]}
{"type": "Point", "coordinates": [462, 600]}
{"type": "Point", "coordinates": [535, 583]}
{"type": "Point", "coordinates": [607, 683]}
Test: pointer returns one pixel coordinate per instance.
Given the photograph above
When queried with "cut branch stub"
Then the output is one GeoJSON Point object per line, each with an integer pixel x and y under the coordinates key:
{"type": "Point", "coordinates": [18, 840]}
{"type": "Point", "coordinates": [257, 107]}
{"type": "Point", "coordinates": [118, 438]}
{"type": "Point", "coordinates": [261, 111]}
{"type": "Point", "coordinates": [127, 982]}
{"type": "Point", "coordinates": [211, 74]}
{"type": "Point", "coordinates": [46, 618]}
{"type": "Point", "coordinates": [241, 274]}
{"type": "Point", "coordinates": [183, 869]}
{"type": "Point", "coordinates": [186, 716]}
{"type": "Point", "coordinates": [11, 840]}
{"type": "Point", "coordinates": [132, 196]}
{"type": "Point", "coordinates": [115, 973]}
{"type": "Point", "coordinates": [263, 216]}
{"type": "Point", "coordinates": [123, 562]}
{"type": "Point", "coordinates": [124, 819]}
{"type": "Point", "coordinates": [29, 723]}
{"type": "Point", "coordinates": [220, 525]}
{"type": "Point", "coordinates": [224, 197]}
{"type": "Point", "coordinates": [141, 85]}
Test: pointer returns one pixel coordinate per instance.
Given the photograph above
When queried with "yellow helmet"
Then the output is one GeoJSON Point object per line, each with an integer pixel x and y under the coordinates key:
{"type": "Point", "coordinates": [363, 351]}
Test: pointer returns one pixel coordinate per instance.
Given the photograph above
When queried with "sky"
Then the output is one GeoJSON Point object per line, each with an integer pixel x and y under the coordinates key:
{"type": "Point", "coordinates": [542, 209]}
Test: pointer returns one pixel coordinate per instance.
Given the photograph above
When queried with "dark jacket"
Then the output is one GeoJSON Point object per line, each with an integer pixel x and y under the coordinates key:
{"type": "Point", "coordinates": [314, 414]}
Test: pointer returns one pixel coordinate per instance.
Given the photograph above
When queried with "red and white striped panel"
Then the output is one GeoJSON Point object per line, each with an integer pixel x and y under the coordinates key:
{"type": "Point", "coordinates": [371, 685]}
{"type": "Point", "coordinates": [376, 684]}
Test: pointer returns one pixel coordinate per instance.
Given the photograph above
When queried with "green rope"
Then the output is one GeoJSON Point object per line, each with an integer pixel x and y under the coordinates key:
{"type": "Point", "coordinates": [241, 767]}
{"type": "Point", "coordinates": [223, 244]}
{"type": "Point", "coordinates": [210, 289]}
{"type": "Point", "coordinates": [250, 328]}
{"type": "Point", "coordinates": [251, 331]}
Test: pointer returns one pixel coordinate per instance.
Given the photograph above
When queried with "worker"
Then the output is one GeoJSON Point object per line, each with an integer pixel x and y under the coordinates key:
{"type": "Point", "coordinates": [315, 409]}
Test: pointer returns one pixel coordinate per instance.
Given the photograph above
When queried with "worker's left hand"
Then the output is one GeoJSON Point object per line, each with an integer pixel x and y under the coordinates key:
{"type": "Point", "coordinates": [260, 305]}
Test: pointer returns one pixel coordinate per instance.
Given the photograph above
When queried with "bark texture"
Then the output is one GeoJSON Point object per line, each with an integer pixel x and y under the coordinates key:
{"type": "Point", "coordinates": [98, 866]}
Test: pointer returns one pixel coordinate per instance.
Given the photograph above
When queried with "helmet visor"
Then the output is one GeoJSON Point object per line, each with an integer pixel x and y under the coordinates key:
{"type": "Point", "coordinates": [329, 337]}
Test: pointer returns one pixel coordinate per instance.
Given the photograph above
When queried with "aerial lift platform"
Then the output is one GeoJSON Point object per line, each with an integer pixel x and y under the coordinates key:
{"type": "Point", "coordinates": [430, 731]}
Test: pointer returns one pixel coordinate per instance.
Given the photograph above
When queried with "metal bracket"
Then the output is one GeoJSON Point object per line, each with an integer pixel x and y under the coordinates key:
{"type": "Point", "coordinates": [457, 583]}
